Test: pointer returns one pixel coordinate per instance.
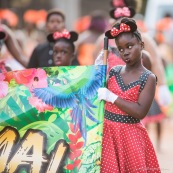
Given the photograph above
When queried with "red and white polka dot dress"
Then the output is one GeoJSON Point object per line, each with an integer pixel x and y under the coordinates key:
{"type": "Point", "coordinates": [126, 146]}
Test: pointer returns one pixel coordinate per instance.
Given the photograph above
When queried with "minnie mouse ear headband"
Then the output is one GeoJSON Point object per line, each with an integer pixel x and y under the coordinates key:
{"type": "Point", "coordinates": [136, 4]}
{"type": "Point", "coordinates": [119, 12]}
{"type": "Point", "coordinates": [125, 25]}
{"type": "Point", "coordinates": [71, 36]}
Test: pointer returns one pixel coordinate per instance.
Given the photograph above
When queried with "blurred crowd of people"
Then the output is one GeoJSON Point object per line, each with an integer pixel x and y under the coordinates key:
{"type": "Point", "coordinates": [89, 27]}
{"type": "Point", "coordinates": [37, 26]}
{"type": "Point", "coordinates": [29, 48]}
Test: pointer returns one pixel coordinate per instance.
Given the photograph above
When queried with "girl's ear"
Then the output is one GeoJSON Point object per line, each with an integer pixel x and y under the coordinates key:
{"type": "Point", "coordinates": [142, 45]}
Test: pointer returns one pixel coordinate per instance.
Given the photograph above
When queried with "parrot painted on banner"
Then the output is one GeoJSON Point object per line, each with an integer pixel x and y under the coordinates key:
{"type": "Point", "coordinates": [76, 94]}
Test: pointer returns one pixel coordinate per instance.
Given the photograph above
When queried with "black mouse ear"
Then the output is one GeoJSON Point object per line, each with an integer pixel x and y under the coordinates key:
{"type": "Point", "coordinates": [73, 36]}
{"type": "Point", "coordinates": [50, 38]}
{"type": "Point", "coordinates": [131, 23]}
{"type": "Point", "coordinates": [108, 34]}
{"type": "Point", "coordinates": [111, 13]}
{"type": "Point", "coordinates": [132, 11]}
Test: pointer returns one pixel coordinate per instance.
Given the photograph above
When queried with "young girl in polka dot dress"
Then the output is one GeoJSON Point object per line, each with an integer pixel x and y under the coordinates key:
{"type": "Point", "coordinates": [130, 90]}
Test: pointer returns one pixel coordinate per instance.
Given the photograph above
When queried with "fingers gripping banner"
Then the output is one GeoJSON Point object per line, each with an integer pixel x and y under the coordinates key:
{"type": "Point", "coordinates": [51, 120]}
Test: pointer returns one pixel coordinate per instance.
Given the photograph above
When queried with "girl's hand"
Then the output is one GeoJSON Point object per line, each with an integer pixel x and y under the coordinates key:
{"type": "Point", "coordinates": [99, 59]}
{"type": "Point", "coordinates": [105, 94]}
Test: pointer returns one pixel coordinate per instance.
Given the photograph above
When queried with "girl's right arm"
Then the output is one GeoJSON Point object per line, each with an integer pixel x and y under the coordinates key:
{"type": "Point", "coordinates": [140, 108]}
{"type": "Point", "coordinates": [137, 109]}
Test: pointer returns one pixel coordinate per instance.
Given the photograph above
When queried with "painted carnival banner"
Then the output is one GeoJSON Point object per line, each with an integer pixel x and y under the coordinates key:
{"type": "Point", "coordinates": [51, 120]}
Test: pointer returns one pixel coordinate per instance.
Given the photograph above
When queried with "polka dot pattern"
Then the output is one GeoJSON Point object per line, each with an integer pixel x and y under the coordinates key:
{"type": "Point", "coordinates": [120, 118]}
{"type": "Point", "coordinates": [64, 34]}
{"type": "Point", "coordinates": [123, 28]}
{"type": "Point", "coordinates": [126, 146]}
{"type": "Point", "coordinates": [129, 92]}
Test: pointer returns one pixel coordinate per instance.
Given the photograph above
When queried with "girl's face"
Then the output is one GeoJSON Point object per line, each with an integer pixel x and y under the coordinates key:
{"type": "Point", "coordinates": [130, 48]}
{"type": "Point", "coordinates": [55, 23]}
{"type": "Point", "coordinates": [63, 53]}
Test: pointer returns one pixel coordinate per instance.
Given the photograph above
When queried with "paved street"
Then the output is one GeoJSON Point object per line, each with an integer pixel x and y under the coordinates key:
{"type": "Point", "coordinates": [165, 155]}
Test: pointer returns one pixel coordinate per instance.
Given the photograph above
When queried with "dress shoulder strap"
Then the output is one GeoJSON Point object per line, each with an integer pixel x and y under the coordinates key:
{"type": "Point", "coordinates": [115, 70]}
{"type": "Point", "coordinates": [144, 78]}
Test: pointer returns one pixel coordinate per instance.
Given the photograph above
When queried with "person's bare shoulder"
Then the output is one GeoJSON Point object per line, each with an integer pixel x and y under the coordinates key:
{"type": "Point", "coordinates": [153, 78]}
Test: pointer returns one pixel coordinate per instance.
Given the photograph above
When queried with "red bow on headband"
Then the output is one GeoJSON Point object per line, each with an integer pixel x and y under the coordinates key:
{"type": "Point", "coordinates": [123, 28]}
{"type": "Point", "coordinates": [122, 12]}
{"type": "Point", "coordinates": [64, 34]}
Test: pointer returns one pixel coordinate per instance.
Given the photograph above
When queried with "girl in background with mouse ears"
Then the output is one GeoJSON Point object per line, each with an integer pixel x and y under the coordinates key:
{"type": "Point", "coordinates": [72, 36]}
{"type": "Point", "coordinates": [64, 48]}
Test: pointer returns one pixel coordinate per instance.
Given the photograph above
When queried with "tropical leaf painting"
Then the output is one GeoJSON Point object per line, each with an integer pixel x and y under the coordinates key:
{"type": "Point", "coordinates": [51, 119]}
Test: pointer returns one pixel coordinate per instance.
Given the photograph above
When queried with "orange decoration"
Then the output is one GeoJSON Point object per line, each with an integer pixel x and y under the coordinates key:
{"type": "Point", "coordinates": [9, 16]}
{"type": "Point", "coordinates": [30, 16]}
{"type": "Point", "coordinates": [82, 24]}
{"type": "Point", "coordinates": [37, 17]}
{"type": "Point", "coordinates": [141, 25]}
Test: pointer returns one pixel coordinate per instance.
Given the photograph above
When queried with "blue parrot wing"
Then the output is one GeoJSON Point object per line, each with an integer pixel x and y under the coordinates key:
{"type": "Point", "coordinates": [55, 98]}
{"type": "Point", "coordinates": [94, 82]}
